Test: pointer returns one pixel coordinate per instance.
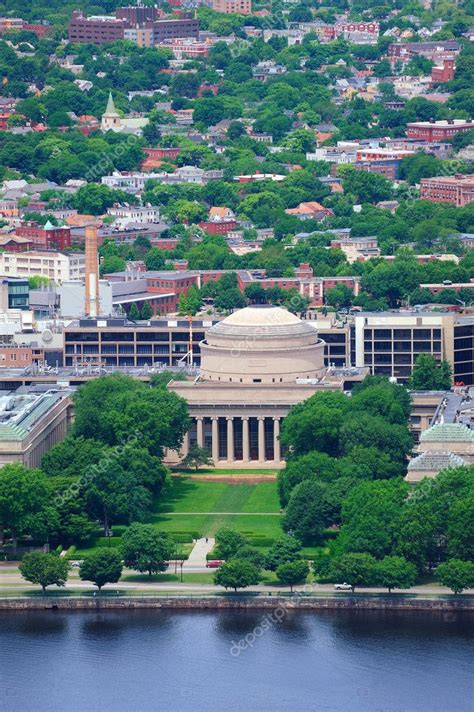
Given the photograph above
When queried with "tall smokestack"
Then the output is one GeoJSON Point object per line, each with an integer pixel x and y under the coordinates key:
{"type": "Point", "coordinates": [92, 273]}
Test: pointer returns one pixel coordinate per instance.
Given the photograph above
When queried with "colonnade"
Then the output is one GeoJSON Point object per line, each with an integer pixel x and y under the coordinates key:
{"type": "Point", "coordinates": [242, 439]}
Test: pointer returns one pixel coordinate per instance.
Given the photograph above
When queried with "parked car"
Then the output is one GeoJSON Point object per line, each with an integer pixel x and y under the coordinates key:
{"type": "Point", "coordinates": [343, 587]}
{"type": "Point", "coordinates": [214, 564]}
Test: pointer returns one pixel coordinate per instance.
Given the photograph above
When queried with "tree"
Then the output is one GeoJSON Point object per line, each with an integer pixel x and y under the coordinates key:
{"type": "Point", "coordinates": [373, 431]}
{"type": "Point", "coordinates": [228, 542]}
{"type": "Point", "coordinates": [144, 548]}
{"type": "Point", "coordinates": [315, 424]}
{"type": "Point", "coordinates": [371, 515]}
{"type": "Point", "coordinates": [305, 513]}
{"type": "Point", "coordinates": [354, 569]}
{"type": "Point", "coordinates": [101, 567]}
{"type": "Point", "coordinates": [146, 311]}
{"type": "Point", "coordinates": [25, 503]}
{"type": "Point", "coordinates": [197, 457]}
{"type": "Point", "coordinates": [395, 572]}
{"type": "Point", "coordinates": [313, 465]}
{"type": "Point", "coordinates": [284, 550]}
{"type": "Point", "coordinates": [155, 259]}
{"type": "Point", "coordinates": [237, 574]}
{"type": "Point", "coordinates": [456, 574]}
{"type": "Point", "coordinates": [45, 569]}
{"type": "Point", "coordinates": [366, 187]}
{"type": "Point", "coordinates": [130, 409]}
{"type": "Point", "coordinates": [133, 313]}
{"type": "Point", "coordinates": [293, 573]}
{"type": "Point", "coordinates": [428, 375]}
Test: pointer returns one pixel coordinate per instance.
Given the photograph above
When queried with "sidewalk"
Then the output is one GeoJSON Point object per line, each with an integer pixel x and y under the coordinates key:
{"type": "Point", "coordinates": [197, 557]}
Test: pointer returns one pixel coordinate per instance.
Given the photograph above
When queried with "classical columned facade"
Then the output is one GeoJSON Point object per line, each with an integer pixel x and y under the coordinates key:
{"type": "Point", "coordinates": [256, 364]}
{"type": "Point", "coordinates": [237, 440]}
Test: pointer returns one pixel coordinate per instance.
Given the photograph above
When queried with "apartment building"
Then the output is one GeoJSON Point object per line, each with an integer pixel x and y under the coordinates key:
{"type": "Point", "coordinates": [457, 190]}
{"type": "Point", "coordinates": [57, 266]}
{"type": "Point", "coordinates": [390, 342]}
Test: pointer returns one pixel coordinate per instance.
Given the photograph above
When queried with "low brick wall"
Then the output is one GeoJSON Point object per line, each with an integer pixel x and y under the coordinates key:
{"type": "Point", "coordinates": [238, 602]}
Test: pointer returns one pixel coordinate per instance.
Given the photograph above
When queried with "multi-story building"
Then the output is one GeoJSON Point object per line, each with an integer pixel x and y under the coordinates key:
{"type": "Point", "coordinates": [357, 248]}
{"type": "Point", "coordinates": [148, 31]}
{"type": "Point", "coordinates": [457, 190]}
{"type": "Point", "coordinates": [49, 236]}
{"type": "Point", "coordinates": [14, 293]}
{"type": "Point", "coordinates": [119, 343]}
{"type": "Point", "coordinates": [14, 355]}
{"type": "Point", "coordinates": [239, 7]}
{"type": "Point", "coordinates": [436, 51]}
{"type": "Point", "coordinates": [32, 420]}
{"type": "Point", "coordinates": [390, 342]}
{"type": "Point", "coordinates": [443, 73]}
{"type": "Point", "coordinates": [438, 130]}
{"type": "Point", "coordinates": [95, 29]}
{"type": "Point", "coordinates": [57, 266]}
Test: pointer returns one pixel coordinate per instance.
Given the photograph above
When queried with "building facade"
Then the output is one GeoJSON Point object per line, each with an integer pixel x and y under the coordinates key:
{"type": "Point", "coordinates": [457, 190]}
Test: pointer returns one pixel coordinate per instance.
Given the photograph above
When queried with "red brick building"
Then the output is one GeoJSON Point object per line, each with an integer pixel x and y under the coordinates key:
{"type": "Point", "coordinates": [457, 190]}
{"type": "Point", "coordinates": [49, 236]}
{"type": "Point", "coordinates": [438, 130]}
{"type": "Point", "coordinates": [444, 73]}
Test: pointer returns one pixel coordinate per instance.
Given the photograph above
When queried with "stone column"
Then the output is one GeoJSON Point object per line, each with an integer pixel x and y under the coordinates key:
{"type": "Point", "coordinates": [261, 439]}
{"type": "Point", "coordinates": [200, 431]}
{"type": "Point", "coordinates": [245, 440]}
{"type": "Point", "coordinates": [230, 439]}
{"type": "Point", "coordinates": [185, 446]}
{"type": "Point", "coordinates": [215, 439]}
{"type": "Point", "coordinates": [276, 440]}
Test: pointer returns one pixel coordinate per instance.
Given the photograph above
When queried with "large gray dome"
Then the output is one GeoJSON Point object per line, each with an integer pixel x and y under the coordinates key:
{"type": "Point", "coordinates": [262, 344]}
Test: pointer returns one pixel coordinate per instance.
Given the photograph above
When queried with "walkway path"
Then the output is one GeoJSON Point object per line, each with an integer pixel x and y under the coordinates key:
{"type": "Point", "coordinates": [197, 557]}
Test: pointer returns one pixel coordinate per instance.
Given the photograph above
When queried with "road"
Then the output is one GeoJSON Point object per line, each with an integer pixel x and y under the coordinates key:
{"type": "Point", "coordinates": [11, 582]}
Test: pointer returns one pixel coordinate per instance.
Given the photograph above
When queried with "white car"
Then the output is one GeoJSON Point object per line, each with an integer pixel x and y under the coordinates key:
{"type": "Point", "coordinates": [343, 587]}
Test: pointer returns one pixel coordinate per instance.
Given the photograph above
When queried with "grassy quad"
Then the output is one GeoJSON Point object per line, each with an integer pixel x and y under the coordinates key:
{"type": "Point", "coordinates": [192, 508]}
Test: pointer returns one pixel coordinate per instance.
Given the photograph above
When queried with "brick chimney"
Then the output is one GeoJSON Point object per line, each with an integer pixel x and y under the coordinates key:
{"type": "Point", "coordinates": [91, 307]}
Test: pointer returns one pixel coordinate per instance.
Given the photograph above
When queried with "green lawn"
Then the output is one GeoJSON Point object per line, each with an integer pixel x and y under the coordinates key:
{"type": "Point", "coordinates": [187, 495]}
{"type": "Point", "coordinates": [193, 508]}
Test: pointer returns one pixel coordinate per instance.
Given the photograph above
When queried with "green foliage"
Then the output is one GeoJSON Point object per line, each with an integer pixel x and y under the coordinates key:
{"type": "Point", "coordinates": [429, 375]}
{"type": "Point", "coordinates": [237, 574]}
{"type": "Point", "coordinates": [284, 550]}
{"type": "Point", "coordinates": [144, 548]}
{"type": "Point", "coordinates": [293, 573]}
{"type": "Point", "coordinates": [395, 572]}
{"type": "Point", "coordinates": [456, 574]}
{"type": "Point", "coordinates": [197, 457]}
{"type": "Point", "coordinates": [102, 567]}
{"type": "Point", "coordinates": [25, 503]}
{"type": "Point", "coordinates": [228, 542]}
{"type": "Point", "coordinates": [44, 569]}
{"type": "Point", "coordinates": [354, 569]}
{"type": "Point", "coordinates": [305, 513]}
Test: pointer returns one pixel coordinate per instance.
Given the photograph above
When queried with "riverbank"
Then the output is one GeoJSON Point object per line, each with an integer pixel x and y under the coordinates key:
{"type": "Point", "coordinates": [386, 602]}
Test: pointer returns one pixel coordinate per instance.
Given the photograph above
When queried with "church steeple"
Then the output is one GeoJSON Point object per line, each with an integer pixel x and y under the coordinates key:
{"type": "Point", "coordinates": [111, 120]}
{"type": "Point", "coordinates": [110, 110]}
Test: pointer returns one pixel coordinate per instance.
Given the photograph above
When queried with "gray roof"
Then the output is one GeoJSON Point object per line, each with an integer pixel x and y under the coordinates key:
{"type": "Point", "coordinates": [447, 432]}
{"type": "Point", "coordinates": [436, 461]}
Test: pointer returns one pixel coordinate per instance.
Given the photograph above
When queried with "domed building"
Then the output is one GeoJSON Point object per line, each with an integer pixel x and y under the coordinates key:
{"type": "Point", "coordinates": [262, 344]}
{"type": "Point", "coordinates": [255, 365]}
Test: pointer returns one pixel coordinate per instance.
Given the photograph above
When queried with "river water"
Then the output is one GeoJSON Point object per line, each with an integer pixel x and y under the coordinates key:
{"type": "Point", "coordinates": [324, 661]}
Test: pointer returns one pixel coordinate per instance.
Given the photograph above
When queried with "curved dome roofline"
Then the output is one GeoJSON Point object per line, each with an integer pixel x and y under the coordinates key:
{"type": "Point", "coordinates": [261, 315]}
